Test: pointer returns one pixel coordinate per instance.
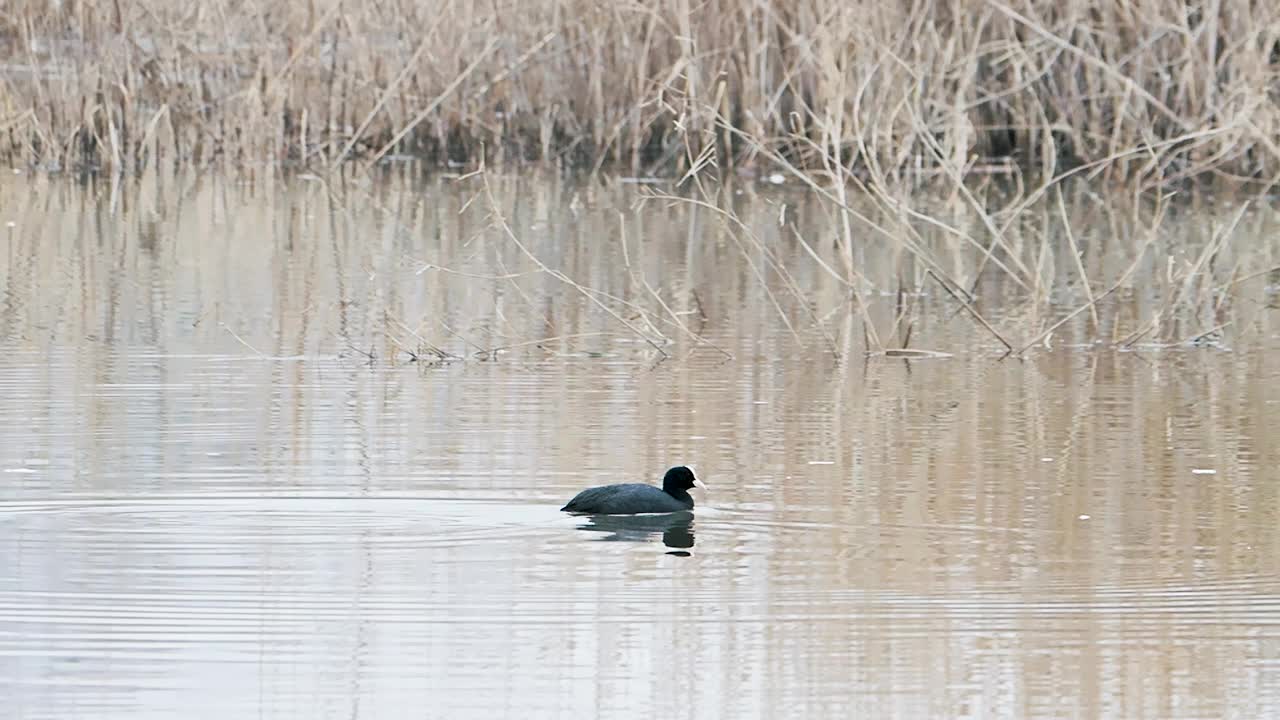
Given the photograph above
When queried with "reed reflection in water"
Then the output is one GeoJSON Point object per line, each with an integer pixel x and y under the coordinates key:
{"type": "Point", "coordinates": [226, 490]}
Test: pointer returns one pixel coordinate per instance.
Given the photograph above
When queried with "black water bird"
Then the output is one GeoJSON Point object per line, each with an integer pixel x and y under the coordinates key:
{"type": "Point", "coordinates": [635, 498]}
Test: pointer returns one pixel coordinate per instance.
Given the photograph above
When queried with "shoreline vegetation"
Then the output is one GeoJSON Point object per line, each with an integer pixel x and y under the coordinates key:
{"type": "Point", "coordinates": [1149, 91]}
{"type": "Point", "coordinates": [967, 137]}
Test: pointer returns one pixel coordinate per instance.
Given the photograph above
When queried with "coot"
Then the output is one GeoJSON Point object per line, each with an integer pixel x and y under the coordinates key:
{"type": "Point", "coordinates": [630, 498]}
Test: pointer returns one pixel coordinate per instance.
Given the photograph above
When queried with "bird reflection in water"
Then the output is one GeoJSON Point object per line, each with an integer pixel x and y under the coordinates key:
{"type": "Point", "coordinates": [676, 529]}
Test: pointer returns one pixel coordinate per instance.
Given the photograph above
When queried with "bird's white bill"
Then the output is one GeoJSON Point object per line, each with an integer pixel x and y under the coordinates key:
{"type": "Point", "coordinates": [699, 484]}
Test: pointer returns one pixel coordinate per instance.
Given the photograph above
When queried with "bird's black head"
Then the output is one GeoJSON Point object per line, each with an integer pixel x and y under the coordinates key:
{"type": "Point", "coordinates": [679, 479]}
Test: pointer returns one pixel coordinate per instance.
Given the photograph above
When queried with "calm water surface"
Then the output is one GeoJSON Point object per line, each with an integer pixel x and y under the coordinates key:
{"type": "Point", "coordinates": [227, 490]}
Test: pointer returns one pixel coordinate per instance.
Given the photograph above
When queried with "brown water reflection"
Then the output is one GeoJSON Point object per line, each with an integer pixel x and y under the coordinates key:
{"type": "Point", "coordinates": [214, 504]}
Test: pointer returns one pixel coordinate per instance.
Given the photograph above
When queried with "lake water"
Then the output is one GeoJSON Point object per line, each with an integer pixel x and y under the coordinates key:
{"type": "Point", "coordinates": [259, 458]}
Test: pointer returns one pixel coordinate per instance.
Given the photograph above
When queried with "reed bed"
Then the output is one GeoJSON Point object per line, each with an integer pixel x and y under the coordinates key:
{"type": "Point", "coordinates": [947, 135]}
{"type": "Point", "coordinates": [1143, 89]}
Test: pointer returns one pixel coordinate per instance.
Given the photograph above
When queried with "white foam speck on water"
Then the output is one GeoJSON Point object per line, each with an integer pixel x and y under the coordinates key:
{"type": "Point", "coordinates": [822, 462]}
{"type": "Point", "coordinates": [20, 470]}
{"type": "Point", "coordinates": [1203, 471]}
{"type": "Point", "coordinates": [1046, 459]}
{"type": "Point", "coordinates": [1082, 517]}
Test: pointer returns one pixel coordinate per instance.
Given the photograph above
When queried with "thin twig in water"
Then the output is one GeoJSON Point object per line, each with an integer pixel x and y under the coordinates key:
{"type": "Point", "coordinates": [1075, 255]}
{"type": "Point", "coordinates": [501, 348]}
{"type": "Point", "coordinates": [728, 217]}
{"type": "Point", "coordinates": [1202, 335]}
{"type": "Point", "coordinates": [241, 340]}
{"type": "Point", "coordinates": [586, 292]}
{"type": "Point", "coordinates": [1250, 276]}
{"type": "Point", "coordinates": [466, 340]}
{"type": "Point", "coordinates": [972, 312]}
{"type": "Point", "coordinates": [823, 263]}
{"type": "Point", "coordinates": [908, 353]}
{"type": "Point", "coordinates": [475, 276]}
{"type": "Point", "coordinates": [524, 297]}
{"type": "Point", "coordinates": [442, 354]}
{"type": "Point", "coordinates": [676, 319]}
{"type": "Point", "coordinates": [1154, 234]}
{"type": "Point", "coordinates": [697, 304]}
{"type": "Point", "coordinates": [1137, 335]}
{"type": "Point", "coordinates": [1072, 314]}
{"type": "Point", "coordinates": [369, 355]}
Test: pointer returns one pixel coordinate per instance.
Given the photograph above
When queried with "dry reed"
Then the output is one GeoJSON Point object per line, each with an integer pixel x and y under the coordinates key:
{"type": "Point", "coordinates": [1146, 89]}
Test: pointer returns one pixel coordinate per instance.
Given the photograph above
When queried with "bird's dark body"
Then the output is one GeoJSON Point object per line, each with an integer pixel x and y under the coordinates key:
{"type": "Point", "coordinates": [638, 498]}
{"type": "Point", "coordinates": [628, 498]}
